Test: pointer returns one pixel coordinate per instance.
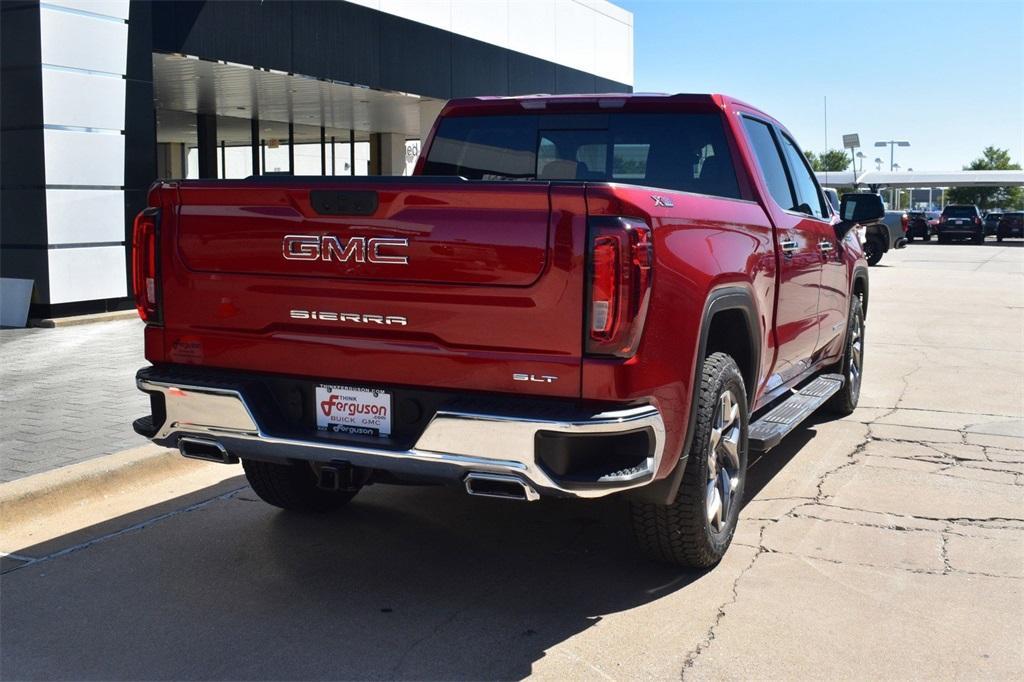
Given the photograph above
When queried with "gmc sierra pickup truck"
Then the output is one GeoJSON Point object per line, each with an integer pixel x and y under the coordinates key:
{"type": "Point", "coordinates": [573, 296]}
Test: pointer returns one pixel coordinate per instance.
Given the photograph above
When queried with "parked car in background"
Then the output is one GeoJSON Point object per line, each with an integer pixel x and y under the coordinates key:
{"type": "Point", "coordinates": [883, 235]}
{"type": "Point", "coordinates": [991, 222]}
{"type": "Point", "coordinates": [960, 221]}
{"type": "Point", "coordinates": [1010, 225]}
{"type": "Point", "coordinates": [918, 227]}
{"type": "Point", "coordinates": [933, 219]}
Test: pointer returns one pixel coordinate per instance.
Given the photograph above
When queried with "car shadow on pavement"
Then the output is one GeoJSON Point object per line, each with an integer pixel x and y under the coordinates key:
{"type": "Point", "coordinates": [406, 582]}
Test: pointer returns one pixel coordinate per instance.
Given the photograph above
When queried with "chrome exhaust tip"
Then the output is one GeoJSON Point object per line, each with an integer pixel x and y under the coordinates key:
{"type": "Point", "coordinates": [206, 450]}
{"type": "Point", "coordinates": [503, 486]}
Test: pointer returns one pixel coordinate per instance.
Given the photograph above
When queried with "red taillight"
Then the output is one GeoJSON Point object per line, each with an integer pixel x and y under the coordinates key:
{"type": "Point", "coordinates": [906, 222]}
{"type": "Point", "coordinates": [977, 220]}
{"type": "Point", "coordinates": [621, 260]}
{"type": "Point", "coordinates": [145, 263]}
{"type": "Point", "coordinates": [942, 219]}
{"type": "Point", "coordinates": [604, 286]}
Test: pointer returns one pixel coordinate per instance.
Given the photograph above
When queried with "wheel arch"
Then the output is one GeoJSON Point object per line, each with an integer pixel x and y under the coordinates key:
{"type": "Point", "coordinates": [726, 309]}
{"type": "Point", "coordinates": [859, 286]}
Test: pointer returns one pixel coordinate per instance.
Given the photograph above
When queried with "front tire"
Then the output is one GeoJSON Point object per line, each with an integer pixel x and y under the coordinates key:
{"type": "Point", "coordinates": [844, 402]}
{"type": "Point", "coordinates": [696, 528]}
{"type": "Point", "coordinates": [292, 486]}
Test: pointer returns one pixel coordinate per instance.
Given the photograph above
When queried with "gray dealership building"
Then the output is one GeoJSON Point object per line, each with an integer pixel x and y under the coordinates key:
{"type": "Point", "coordinates": [102, 97]}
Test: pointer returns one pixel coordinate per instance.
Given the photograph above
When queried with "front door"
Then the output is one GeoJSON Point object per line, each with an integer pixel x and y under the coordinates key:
{"type": "Point", "coordinates": [798, 239]}
{"type": "Point", "coordinates": [817, 218]}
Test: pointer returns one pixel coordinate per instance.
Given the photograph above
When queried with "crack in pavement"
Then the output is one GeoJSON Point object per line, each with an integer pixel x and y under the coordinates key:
{"type": "Point", "coordinates": [709, 637]}
{"type": "Point", "coordinates": [855, 457]}
{"type": "Point", "coordinates": [134, 528]}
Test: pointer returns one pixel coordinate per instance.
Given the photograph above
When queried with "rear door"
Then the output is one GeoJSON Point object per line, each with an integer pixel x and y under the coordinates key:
{"type": "Point", "coordinates": [797, 238]}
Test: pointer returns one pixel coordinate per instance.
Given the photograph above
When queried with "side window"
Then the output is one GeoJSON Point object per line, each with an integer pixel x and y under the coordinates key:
{"type": "Point", "coordinates": [770, 161]}
{"type": "Point", "coordinates": [808, 197]}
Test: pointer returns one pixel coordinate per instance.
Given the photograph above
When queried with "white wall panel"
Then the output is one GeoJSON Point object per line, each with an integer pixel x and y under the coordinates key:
{"type": "Point", "coordinates": [613, 49]}
{"type": "Point", "coordinates": [83, 42]}
{"type": "Point", "coordinates": [76, 216]}
{"type": "Point", "coordinates": [531, 28]}
{"type": "Point", "coordinates": [83, 100]}
{"type": "Point", "coordinates": [595, 36]}
{"type": "Point", "coordinates": [78, 158]}
{"type": "Point", "coordinates": [108, 8]}
{"type": "Point", "coordinates": [87, 274]}
{"type": "Point", "coordinates": [484, 21]}
{"type": "Point", "coordinates": [574, 36]}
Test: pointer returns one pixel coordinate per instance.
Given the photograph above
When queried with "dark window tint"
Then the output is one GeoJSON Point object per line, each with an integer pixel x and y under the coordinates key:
{"type": "Point", "coordinates": [492, 148]}
{"type": "Point", "coordinates": [770, 162]}
{"type": "Point", "coordinates": [808, 198]}
{"type": "Point", "coordinates": [686, 152]}
{"type": "Point", "coordinates": [960, 212]}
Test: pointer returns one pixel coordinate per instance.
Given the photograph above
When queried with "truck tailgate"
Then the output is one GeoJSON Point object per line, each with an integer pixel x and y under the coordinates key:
{"type": "Point", "coordinates": [442, 283]}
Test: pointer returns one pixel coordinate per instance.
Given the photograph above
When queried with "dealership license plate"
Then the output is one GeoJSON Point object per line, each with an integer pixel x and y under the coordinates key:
{"type": "Point", "coordinates": [357, 411]}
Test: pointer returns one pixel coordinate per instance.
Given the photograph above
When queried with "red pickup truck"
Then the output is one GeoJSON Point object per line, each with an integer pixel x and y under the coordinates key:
{"type": "Point", "coordinates": [573, 296]}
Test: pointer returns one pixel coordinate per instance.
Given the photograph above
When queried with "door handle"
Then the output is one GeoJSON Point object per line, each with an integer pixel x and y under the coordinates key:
{"type": "Point", "coordinates": [825, 246]}
{"type": "Point", "coordinates": [788, 247]}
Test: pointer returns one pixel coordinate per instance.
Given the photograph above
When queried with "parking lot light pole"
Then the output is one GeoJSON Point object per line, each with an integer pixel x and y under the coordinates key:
{"type": "Point", "coordinates": [892, 144]}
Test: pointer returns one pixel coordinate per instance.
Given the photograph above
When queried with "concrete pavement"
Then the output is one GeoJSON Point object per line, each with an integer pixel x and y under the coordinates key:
{"type": "Point", "coordinates": [886, 545]}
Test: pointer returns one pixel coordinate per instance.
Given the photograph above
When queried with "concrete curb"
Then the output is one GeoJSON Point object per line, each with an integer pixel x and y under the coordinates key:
{"type": "Point", "coordinates": [53, 491]}
{"type": "Point", "coordinates": [50, 323]}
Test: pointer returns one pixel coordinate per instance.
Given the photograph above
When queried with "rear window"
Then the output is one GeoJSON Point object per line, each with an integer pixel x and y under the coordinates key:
{"type": "Point", "coordinates": [684, 151]}
{"type": "Point", "coordinates": [960, 212]}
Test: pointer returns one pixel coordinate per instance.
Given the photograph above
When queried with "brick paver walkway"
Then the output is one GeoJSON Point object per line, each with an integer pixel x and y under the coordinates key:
{"type": "Point", "coordinates": [68, 395]}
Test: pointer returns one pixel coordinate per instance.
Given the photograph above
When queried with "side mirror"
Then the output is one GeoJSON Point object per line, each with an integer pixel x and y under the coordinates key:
{"type": "Point", "coordinates": [857, 209]}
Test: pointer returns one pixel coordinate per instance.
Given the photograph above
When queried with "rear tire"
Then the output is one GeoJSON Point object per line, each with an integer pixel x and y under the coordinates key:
{"type": "Point", "coordinates": [844, 402]}
{"type": "Point", "coordinates": [692, 531]}
{"type": "Point", "coordinates": [999, 238]}
{"type": "Point", "coordinates": [293, 487]}
{"type": "Point", "coordinates": [926, 238]}
{"type": "Point", "coordinates": [873, 250]}
{"type": "Point", "coordinates": [978, 238]}
{"type": "Point", "coordinates": [943, 239]}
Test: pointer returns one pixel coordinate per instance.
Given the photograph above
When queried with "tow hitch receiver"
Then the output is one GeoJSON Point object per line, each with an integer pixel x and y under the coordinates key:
{"type": "Point", "coordinates": [337, 476]}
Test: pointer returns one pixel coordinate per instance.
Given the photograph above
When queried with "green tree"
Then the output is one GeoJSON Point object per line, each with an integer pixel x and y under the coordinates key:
{"type": "Point", "coordinates": [834, 160]}
{"type": "Point", "coordinates": [992, 158]}
{"type": "Point", "coordinates": [831, 160]}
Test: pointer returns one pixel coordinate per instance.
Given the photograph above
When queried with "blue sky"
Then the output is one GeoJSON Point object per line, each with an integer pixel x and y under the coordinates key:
{"type": "Point", "coordinates": [947, 76]}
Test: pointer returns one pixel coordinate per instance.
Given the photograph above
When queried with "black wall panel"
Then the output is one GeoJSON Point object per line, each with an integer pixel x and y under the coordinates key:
{"type": "Point", "coordinates": [335, 44]}
{"type": "Point", "coordinates": [346, 42]}
{"type": "Point", "coordinates": [415, 58]}
{"type": "Point", "coordinates": [605, 85]}
{"type": "Point", "coordinates": [23, 217]}
{"type": "Point", "coordinates": [529, 75]}
{"type": "Point", "coordinates": [478, 68]}
{"type": "Point", "coordinates": [569, 81]}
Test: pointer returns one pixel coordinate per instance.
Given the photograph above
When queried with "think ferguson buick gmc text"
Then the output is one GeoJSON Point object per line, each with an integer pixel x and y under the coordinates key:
{"type": "Point", "coordinates": [573, 296]}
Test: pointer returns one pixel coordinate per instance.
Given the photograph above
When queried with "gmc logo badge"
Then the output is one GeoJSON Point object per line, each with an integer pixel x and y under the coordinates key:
{"type": "Point", "coordinates": [358, 249]}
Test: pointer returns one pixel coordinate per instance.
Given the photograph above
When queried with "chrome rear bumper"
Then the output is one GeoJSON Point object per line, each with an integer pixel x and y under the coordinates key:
{"type": "Point", "coordinates": [453, 444]}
